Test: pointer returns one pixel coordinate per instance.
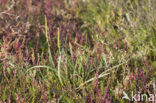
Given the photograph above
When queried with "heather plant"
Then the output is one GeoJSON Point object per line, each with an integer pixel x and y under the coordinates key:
{"type": "Point", "coordinates": [76, 50]}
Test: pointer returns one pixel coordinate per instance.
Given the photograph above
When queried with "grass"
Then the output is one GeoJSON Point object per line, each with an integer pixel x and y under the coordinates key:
{"type": "Point", "coordinates": [76, 51]}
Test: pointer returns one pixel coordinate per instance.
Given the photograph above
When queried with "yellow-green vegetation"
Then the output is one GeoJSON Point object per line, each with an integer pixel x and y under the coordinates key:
{"type": "Point", "coordinates": [76, 51]}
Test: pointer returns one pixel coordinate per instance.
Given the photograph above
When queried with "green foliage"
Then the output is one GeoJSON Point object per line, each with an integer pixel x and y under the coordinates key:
{"type": "Point", "coordinates": [76, 51]}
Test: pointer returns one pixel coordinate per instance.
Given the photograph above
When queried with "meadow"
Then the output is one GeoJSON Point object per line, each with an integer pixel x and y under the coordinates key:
{"type": "Point", "coordinates": [77, 51]}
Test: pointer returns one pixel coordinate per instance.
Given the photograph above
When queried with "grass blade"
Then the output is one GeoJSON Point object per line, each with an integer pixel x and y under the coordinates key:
{"type": "Point", "coordinates": [59, 70]}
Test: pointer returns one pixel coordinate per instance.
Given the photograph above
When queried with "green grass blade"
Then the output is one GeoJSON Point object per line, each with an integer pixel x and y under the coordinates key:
{"type": "Point", "coordinates": [50, 68]}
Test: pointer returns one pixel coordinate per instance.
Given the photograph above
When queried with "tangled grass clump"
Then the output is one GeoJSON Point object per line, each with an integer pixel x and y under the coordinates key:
{"type": "Point", "coordinates": [76, 51]}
